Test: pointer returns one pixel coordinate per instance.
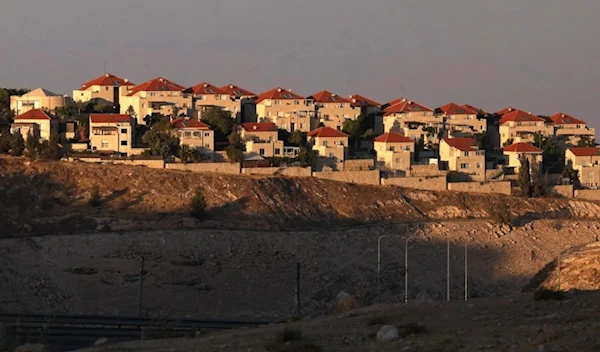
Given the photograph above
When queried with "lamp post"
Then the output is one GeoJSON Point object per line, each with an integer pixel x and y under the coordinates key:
{"type": "Point", "coordinates": [379, 261]}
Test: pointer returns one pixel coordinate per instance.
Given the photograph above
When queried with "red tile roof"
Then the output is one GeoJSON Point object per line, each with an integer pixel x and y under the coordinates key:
{"type": "Point", "coordinates": [454, 109]}
{"type": "Point", "coordinates": [259, 127]}
{"type": "Point", "coordinates": [107, 80]}
{"type": "Point", "coordinates": [205, 89]}
{"type": "Point", "coordinates": [505, 110]}
{"type": "Point", "coordinates": [158, 84]}
{"type": "Point", "coordinates": [585, 151]}
{"type": "Point", "coordinates": [234, 90]}
{"type": "Point", "coordinates": [109, 118]}
{"type": "Point", "coordinates": [278, 94]}
{"type": "Point", "coordinates": [564, 119]}
{"type": "Point", "coordinates": [474, 108]}
{"type": "Point", "coordinates": [359, 100]}
{"type": "Point", "coordinates": [328, 97]}
{"type": "Point", "coordinates": [326, 132]}
{"type": "Point", "coordinates": [522, 148]}
{"type": "Point", "coordinates": [393, 137]}
{"type": "Point", "coordinates": [35, 114]}
{"type": "Point", "coordinates": [463, 144]}
{"type": "Point", "coordinates": [404, 105]}
{"type": "Point", "coordinates": [520, 116]}
{"type": "Point", "coordinates": [183, 122]}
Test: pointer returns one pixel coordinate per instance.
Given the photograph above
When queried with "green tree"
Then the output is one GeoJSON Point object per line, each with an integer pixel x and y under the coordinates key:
{"type": "Point", "coordinates": [32, 147]}
{"type": "Point", "coordinates": [95, 196]}
{"type": "Point", "coordinates": [419, 148]}
{"type": "Point", "coordinates": [538, 187]}
{"type": "Point", "coordinates": [51, 149]}
{"type": "Point", "coordinates": [368, 135]}
{"type": "Point", "coordinates": [17, 144]}
{"type": "Point", "coordinates": [353, 130]}
{"type": "Point", "coordinates": [188, 154]}
{"type": "Point", "coordinates": [5, 140]}
{"type": "Point", "coordinates": [586, 142]}
{"type": "Point", "coordinates": [100, 106]}
{"type": "Point", "coordinates": [482, 140]}
{"type": "Point", "coordinates": [297, 138]}
{"type": "Point", "coordinates": [198, 205]}
{"type": "Point", "coordinates": [63, 112]}
{"type": "Point", "coordinates": [234, 154]}
{"type": "Point", "coordinates": [220, 121]}
{"type": "Point", "coordinates": [572, 175]}
{"type": "Point", "coordinates": [81, 106]}
{"type": "Point", "coordinates": [524, 180]}
{"type": "Point", "coordinates": [235, 138]}
{"type": "Point", "coordinates": [508, 142]}
{"type": "Point", "coordinates": [307, 157]}
{"type": "Point", "coordinates": [161, 143]}
{"type": "Point", "coordinates": [283, 135]}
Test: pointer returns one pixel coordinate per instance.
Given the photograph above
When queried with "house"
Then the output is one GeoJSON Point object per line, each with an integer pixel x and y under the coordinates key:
{"type": "Point", "coordinates": [157, 95]}
{"type": "Point", "coordinates": [513, 153]}
{"type": "Point", "coordinates": [394, 151]}
{"type": "Point", "coordinates": [520, 126]}
{"type": "Point", "coordinates": [108, 88]}
{"type": "Point", "coordinates": [262, 138]}
{"type": "Point", "coordinates": [195, 134]}
{"type": "Point", "coordinates": [369, 107]}
{"type": "Point", "coordinates": [206, 96]}
{"type": "Point", "coordinates": [331, 144]}
{"type": "Point", "coordinates": [112, 133]}
{"type": "Point", "coordinates": [333, 110]}
{"type": "Point", "coordinates": [570, 128]}
{"type": "Point", "coordinates": [36, 123]}
{"type": "Point", "coordinates": [288, 110]}
{"type": "Point", "coordinates": [586, 160]}
{"type": "Point", "coordinates": [460, 121]}
{"type": "Point", "coordinates": [413, 120]}
{"type": "Point", "coordinates": [38, 99]}
{"type": "Point", "coordinates": [246, 100]}
{"type": "Point", "coordinates": [464, 156]}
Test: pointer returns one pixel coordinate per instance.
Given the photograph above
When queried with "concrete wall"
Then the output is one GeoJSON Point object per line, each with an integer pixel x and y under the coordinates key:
{"type": "Point", "coordinates": [425, 170]}
{"type": "Point", "coordinates": [220, 168]}
{"type": "Point", "coordinates": [359, 177]}
{"type": "Point", "coordinates": [589, 194]}
{"type": "Point", "coordinates": [502, 187]}
{"type": "Point", "coordinates": [154, 164]}
{"type": "Point", "coordinates": [358, 165]}
{"type": "Point", "coordinates": [426, 183]}
{"type": "Point", "coordinates": [563, 190]}
{"type": "Point", "coordinates": [279, 171]}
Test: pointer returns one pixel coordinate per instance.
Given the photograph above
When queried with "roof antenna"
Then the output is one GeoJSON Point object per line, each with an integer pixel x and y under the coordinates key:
{"type": "Point", "coordinates": [104, 66]}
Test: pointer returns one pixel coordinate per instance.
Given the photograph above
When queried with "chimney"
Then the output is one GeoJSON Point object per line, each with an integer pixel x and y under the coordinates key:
{"type": "Point", "coordinates": [278, 90]}
{"type": "Point", "coordinates": [106, 75]}
{"type": "Point", "coordinates": [126, 80]}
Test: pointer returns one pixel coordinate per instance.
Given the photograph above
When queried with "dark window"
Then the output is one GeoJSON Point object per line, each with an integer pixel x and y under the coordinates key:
{"type": "Point", "coordinates": [124, 143]}
{"type": "Point", "coordinates": [123, 130]}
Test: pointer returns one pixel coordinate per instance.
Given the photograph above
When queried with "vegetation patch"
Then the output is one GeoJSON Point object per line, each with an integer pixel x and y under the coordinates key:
{"type": "Point", "coordinates": [549, 295]}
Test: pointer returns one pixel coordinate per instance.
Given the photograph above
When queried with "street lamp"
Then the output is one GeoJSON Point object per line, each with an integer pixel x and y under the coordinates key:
{"type": "Point", "coordinates": [379, 261]}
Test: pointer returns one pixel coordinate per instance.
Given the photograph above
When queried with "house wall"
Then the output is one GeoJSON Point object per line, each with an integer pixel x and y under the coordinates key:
{"type": "Point", "coordinates": [284, 112]}
{"type": "Point", "coordinates": [358, 165]}
{"type": "Point", "coordinates": [266, 149]}
{"type": "Point", "coordinates": [100, 92]}
{"type": "Point", "coordinates": [397, 147]}
{"type": "Point", "coordinates": [24, 103]}
{"type": "Point", "coordinates": [220, 168]}
{"type": "Point", "coordinates": [359, 177]}
{"type": "Point", "coordinates": [260, 135]}
{"type": "Point", "coordinates": [472, 165]}
{"type": "Point", "coordinates": [326, 163]}
{"type": "Point", "coordinates": [224, 101]}
{"type": "Point", "coordinates": [141, 102]}
{"type": "Point", "coordinates": [514, 159]}
{"type": "Point", "coordinates": [522, 131]}
{"type": "Point", "coordinates": [334, 114]}
{"type": "Point", "coordinates": [203, 140]}
{"type": "Point", "coordinates": [437, 183]}
{"type": "Point", "coordinates": [395, 160]}
{"type": "Point", "coordinates": [501, 187]}
{"type": "Point", "coordinates": [468, 124]}
{"type": "Point", "coordinates": [425, 170]}
{"type": "Point", "coordinates": [113, 142]}
{"type": "Point", "coordinates": [279, 171]}
{"type": "Point", "coordinates": [46, 127]}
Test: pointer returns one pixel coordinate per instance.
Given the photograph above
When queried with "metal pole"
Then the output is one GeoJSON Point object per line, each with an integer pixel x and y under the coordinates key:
{"type": "Point", "coordinates": [379, 262]}
{"type": "Point", "coordinates": [448, 272]}
{"type": "Point", "coordinates": [466, 274]}
{"type": "Point", "coordinates": [141, 287]}
{"type": "Point", "coordinates": [406, 271]}
{"type": "Point", "coordinates": [298, 289]}
{"type": "Point", "coordinates": [559, 248]}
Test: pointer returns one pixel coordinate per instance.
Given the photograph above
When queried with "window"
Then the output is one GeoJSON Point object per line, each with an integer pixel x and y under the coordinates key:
{"type": "Point", "coordinates": [124, 143]}
{"type": "Point", "coordinates": [261, 151]}
{"type": "Point", "coordinates": [331, 155]}
{"type": "Point", "coordinates": [279, 113]}
{"type": "Point", "coordinates": [104, 144]}
{"type": "Point", "coordinates": [391, 148]}
{"type": "Point", "coordinates": [207, 146]}
{"type": "Point", "coordinates": [206, 134]}
{"type": "Point", "coordinates": [277, 151]}
{"type": "Point", "coordinates": [187, 134]}
{"type": "Point", "coordinates": [123, 130]}
{"type": "Point", "coordinates": [479, 165]}
{"type": "Point", "coordinates": [197, 134]}
{"type": "Point", "coordinates": [143, 106]}
{"type": "Point", "coordinates": [464, 165]}
{"type": "Point", "coordinates": [325, 143]}
{"type": "Point", "coordinates": [275, 102]}
{"type": "Point", "coordinates": [466, 153]}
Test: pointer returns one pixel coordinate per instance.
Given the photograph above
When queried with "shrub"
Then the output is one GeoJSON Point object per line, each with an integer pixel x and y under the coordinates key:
{"type": "Point", "coordinates": [95, 197]}
{"type": "Point", "coordinates": [17, 144]}
{"type": "Point", "coordinates": [377, 320]}
{"type": "Point", "coordinates": [411, 329]}
{"type": "Point", "coordinates": [499, 212]}
{"type": "Point", "coordinates": [234, 154]}
{"type": "Point", "coordinates": [549, 295]}
{"type": "Point", "coordinates": [198, 205]}
{"type": "Point", "coordinates": [290, 335]}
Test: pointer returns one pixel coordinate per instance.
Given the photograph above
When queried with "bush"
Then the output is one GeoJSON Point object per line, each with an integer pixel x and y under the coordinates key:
{"type": "Point", "coordinates": [290, 335]}
{"type": "Point", "coordinates": [499, 212]}
{"type": "Point", "coordinates": [95, 197]}
{"type": "Point", "coordinates": [234, 154]}
{"type": "Point", "coordinates": [549, 295]}
{"type": "Point", "coordinates": [411, 329]}
{"type": "Point", "coordinates": [17, 144]}
{"type": "Point", "coordinates": [377, 320]}
{"type": "Point", "coordinates": [198, 205]}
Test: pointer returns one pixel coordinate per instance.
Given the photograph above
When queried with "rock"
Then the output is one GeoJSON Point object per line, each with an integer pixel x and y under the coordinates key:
{"type": "Point", "coordinates": [387, 333]}
{"type": "Point", "coordinates": [344, 303]}
{"type": "Point", "coordinates": [32, 347]}
{"type": "Point", "coordinates": [101, 341]}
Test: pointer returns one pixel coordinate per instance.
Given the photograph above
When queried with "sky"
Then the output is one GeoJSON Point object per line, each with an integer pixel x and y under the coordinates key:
{"type": "Point", "coordinates": [541, 56]}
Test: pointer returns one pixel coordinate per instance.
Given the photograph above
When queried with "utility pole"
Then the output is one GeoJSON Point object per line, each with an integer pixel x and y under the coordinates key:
{"type": "Point", "coordinates": [379, 262]}
{"type": "Point", "coordinates": [466, 274]}
{"type": "Point", "coordinates": [448, 272]}
{"type": "Point", "coordinates": [558, 265]}
{"type": "Point", "coordinates": [406, 271]}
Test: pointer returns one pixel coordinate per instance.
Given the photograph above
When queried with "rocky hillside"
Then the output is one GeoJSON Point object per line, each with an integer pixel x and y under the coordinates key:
{"type": "Point", "coordinates": [52, 197]}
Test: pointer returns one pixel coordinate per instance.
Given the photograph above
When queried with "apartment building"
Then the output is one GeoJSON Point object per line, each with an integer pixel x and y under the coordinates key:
{"type": "Point", "coordinates": [413, 120]}
{"type": "Point", "coordinates": [195, 134]}
{"type": "Point", "coordinates": [39, 98]}
{"type": "Point", "coordinates": [571, 128]}
{"type": "Point", "coordinates": [108, 88]}
{"type": "Point", "coordinates": [520, 126]}
{"type": "Point", "coordinates": [246, 99]}
{"type": "Point", "coordinates": [329, 143]}
{"type": "Point", "coordinates": [262, 138]}
{"type": "Point", "coordinates": [112, 133]}
{"type": "Point", "coordinates": [206, 96]}
{"type": "Point", "coordinates": [369, 107]}
{"type": "Point", "coordinates": [513, 153]}
{"type": "Point", "coordinates": [157, 95]}
{"type": "Point", "coordinates": [463, 155]}
{"type": "Point", "coordinates": [394, 151]}
{"type": "Point", "coordinates": [332, 110]}
{"type": "Point", "coordinates": [586, 160]}
{"type": "Point", "coordinates": [288, 110]}
{"type": "Point", "coordinates": [36, 123]}
{"type": "Point", "coordinates": [460, 121]}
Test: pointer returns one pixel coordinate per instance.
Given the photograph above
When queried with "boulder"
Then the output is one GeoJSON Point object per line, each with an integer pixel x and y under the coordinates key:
{"type": "Point", "coordinates": [387, 333]}
{"type": "Point", "coordinates": [344, 302]}
{"type": "Point", "coordinates": [32, 347]}
{"type": "Point", "coordinates": [101, 341]}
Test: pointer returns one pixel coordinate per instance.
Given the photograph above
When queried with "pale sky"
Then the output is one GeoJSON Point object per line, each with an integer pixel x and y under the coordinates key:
{"type": "Point", "coordinates": [538, 55]}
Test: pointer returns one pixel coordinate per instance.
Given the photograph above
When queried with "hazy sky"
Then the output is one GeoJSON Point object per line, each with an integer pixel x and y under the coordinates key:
{"type": "Point", "coordinates": [538, 55]}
